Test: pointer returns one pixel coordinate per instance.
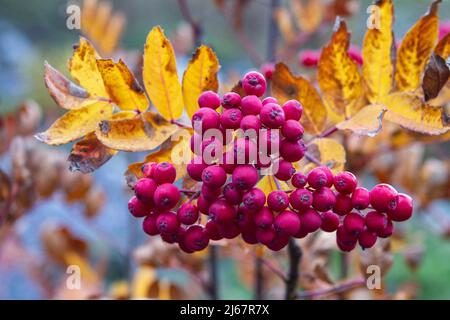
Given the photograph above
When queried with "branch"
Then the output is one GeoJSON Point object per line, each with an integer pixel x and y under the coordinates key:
{"type": "Point", "coordinates": [274, 269]}
{"type": "Point", "coordinates": [339, 288]}
{"type": "Point", "coordinates": [214, 279]}
{"type": "Point", "coordinates": [196, 27]}
{"type": "Point", "coordinates": [272, 35]}
{"type": "Point", "coordinates": [295, 255]}
{"type": "Point", "coordinates": [312, 159]}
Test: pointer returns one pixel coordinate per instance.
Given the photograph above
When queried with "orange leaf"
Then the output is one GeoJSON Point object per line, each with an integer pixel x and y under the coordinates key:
{"type": "Point", "coordinates": [443, 47]}
{"type": "Point", "coordinates": [338, 75]}
{"type": "Point", "coordinates": [286, 86]}
{"type": "Point", "coordinates": [329, 152]}
{"type": "Point", "coordinates": [200, 75]}
{"type": "Point", "coordinates": [415, 50]}
{"type": "Point", "coordinates": [366, 122]}
{"type": "Point", "coordinates": [122, 86]}
{"type": "Point", "coordinates": [378, 66]}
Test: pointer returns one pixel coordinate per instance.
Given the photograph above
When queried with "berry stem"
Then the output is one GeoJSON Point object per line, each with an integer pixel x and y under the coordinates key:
{"type": "Point", "coordinates": [180, 124]}
{"type": "Point", "coordinates": [339, 288]}
{"type": "Point", "coordinates": [295, 255]}
{"type": "Point", "coordinates": [312, 159]}
{"type": "Point", "coordinates": [328, 132]}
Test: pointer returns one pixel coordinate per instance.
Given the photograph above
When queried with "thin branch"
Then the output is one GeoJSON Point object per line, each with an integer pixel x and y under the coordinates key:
{"type": "Point", "coordinates": [259, 278]}
{"type": "Point", "coordinates": [272, 35]}
{"type": "Point", "coordinates": [328, 132]}
{"type": "Point", "coordinates": [295, 255]}
{"type": "Point", "coordinates": [274, 269]}
{"type": "Point", "coordinates": [214, 278]}
{"type": "Point", "coordinates": [180, 124]}
{"type": "Point", "coordinates": [312, 159]}
{"type": "Point", "coordinates": [196, 27]}
{"type": "Point", "coordinates": [339, 288]}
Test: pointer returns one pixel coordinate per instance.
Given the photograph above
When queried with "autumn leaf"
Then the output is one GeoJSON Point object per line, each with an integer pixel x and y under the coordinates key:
{"type": "Point", "coordinates": [122, 86]}
{"type": "Point", "coordinates": [89, 154]}
{"type": "Point", "coordinates": [378, 67]}
{"type": "Point", "coordinates": [143, 279]}
{"type": "Point", "coordinates": [284, 23]}
{"type": "Point", "coordinates": [309, 15]}
{"type": "Point", "coordinates": [443, 47]}
{"type": "Point", "coordinates": [409, 111]}
{"type": "Point", "coordinates": [144, 132]}
{"type": "Point", "coordinates": [160, 75]}
{"type": "Point", "coordinates": [109, 40]}
{"type": "Point", "coordinates": [435, 77]}
{"type": "Point", "coordinates": [267, 184]}
{"type": "Point", "coordinates": [76, 123]}
{"type": "Point", "coordinates": [366, 122]}
{"type": "Point", "coordinates": [200, 75]}
{"type": "Point", "coordinates": [83, 68]}
{"type": "Point", "coordinates": [237, 88]}
{"type": "Point", "coordinates": [5, 191]}
{"type": "Point", "coordinates": [285, 87]}
{"type": "Point", "coordinates": [66, 94]}
{"type": "Point", "coordinates": [338, 74]}
{"type": "Point", "coordinates": [415, 50]}
{"type": "Point", "coordinates": [329, 152]}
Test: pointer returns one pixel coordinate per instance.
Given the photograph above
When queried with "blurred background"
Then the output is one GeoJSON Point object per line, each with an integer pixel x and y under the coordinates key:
{"type": "Point", "coordinates": [62, 218]}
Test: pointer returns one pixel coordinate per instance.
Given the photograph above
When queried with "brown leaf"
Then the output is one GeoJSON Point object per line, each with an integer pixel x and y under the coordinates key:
{"type": "Point", "coordinates": [286, 86]}
{"type": "Point", "coordinates": [436, 75]}
{"type": "Point", "coordinates": [89, 154]}
{"type": "Point", "coordinates": [5, 192]}
{"type": "Point", "coordinates": [238, 89]}
{"type": "Point", "coordinates": [443, 47]}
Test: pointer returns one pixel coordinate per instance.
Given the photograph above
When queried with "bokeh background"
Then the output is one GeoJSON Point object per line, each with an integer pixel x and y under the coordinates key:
{"type": "Point", "coordinates": [96, 224]}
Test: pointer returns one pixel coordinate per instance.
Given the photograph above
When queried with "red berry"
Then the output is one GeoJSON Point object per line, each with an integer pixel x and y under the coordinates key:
{"type": "Point", "coordinates": [279, 242]}
{"type": "Point", "coordinates": [244, 177]}
{"type": "Point", "coordinates": [149, 225]}
{"type": "Point", "coordinates": [404, 208]}
{"type": "Point", "coordinates": [299, 180]}
{"type": "Point", "coordinates": [231, 118]}
{"type": "Point", "coordinates": [209, 99]}
{"type": "Point", "coordinates": [287, 223]}
{"type": "Point", "coordinates": [285, 170]}
{"type": "Point", "coordinates": [330, 221]}
{"type": "Point", "coordinates": [376, 221]}
{"type": "Point", "coordinates": [245, 151]}
{"type": "Point", "coordinates": [355, 53]}
{"type": "Point", "coordinates": [254, 199]}
{"type": "Point", "coordinates": [265, 236]}
{"type": "Point", "coordinates": [210, 194]}
{"type": "Point", "coordinates": [310, 220]}
{"type": "Point", "coordinates": [203, 204]}
{"type": "Point", "coordinates": [272, 116]}
{"type": "Point", "coordinates": [269, 100]}
{"type": "Point", "coordinates": [196, 167]}
{"type": "Point", "coordinates": [245, 219]}
{"type": "Point", "coordinates": [309, 58]}
{"type": "Point", "coordinates": [292, 151]}
{"type": "Point", "coordinates": [165, 172]}
{"type": "Point", "coordinates": [269, 140]}
{"type": "Point", "coordinates": [187, 213]}
{"type": "Point", "coordinates": [232, 194]}
{"type": "Point", "coordinates": [205, 119]}
{"type": "Point", "coordinates": [317, 178]}
{"type": "Point", "coordinates": [229, 230]}
{"type": "Point", "coordinates": [145, 189]}
{"type": "Point", "coordinates": [345, 241]}
{"type": "Point", "coordinates": [254, 83]}
{"type": "Point", "coordinates": [293, 110]}
{"type": "Point", "coordinates": [383, 197]}
{"type": "Point", "coordinates": [250, 122]}
{"type": "Point", "coordinates": [354, 223]}
{"type": "Point", "coordinates": [231, 100]}
{"type": "Point", "coordinates": [387, 232]}
{"type": "Point", "coordinates": [138, 208]}
{"type": "Point", "coordinates": [249, 236]}
{"type": "Point", "coordinates": [278, 200]}
{"type": "Point", "coordinates": [195, 238]}
{"type": "Point", "coordinates": [343, 204]}
{"type": "Point", "coordinates": [292, 130]}
{"type": "Point", "coordinates": [267, 70]}
{"type": "Point", "coordinates": [360, 198]}
{"type": "Point", "coordinates": [346, 246]}
{"type": "Point", "coordinates": [166, 196]}
{"type": "Point", "coordinates": [345, 182]}
{"type": "Point", "coordinates": [148, 169]}
{"type": "Point", "coordinates": [228, 164]}
{"type": "Point", "coordinates": [251, 105]}
{"type": "Point", "coordinates": [301, 199]}
{"type": "Point", "coordinates": [330, 176]}
{"type": "Point", "coordinates": [323, 199]}
{"type": "Point", "coordinates": [301, 232]}
{"type": "Point", "coordinates": [212, 230]}
{"type": "Point", "coordinates": [214, 176]}
{"type": "Point", "coordinates": [167, 222]}
{"type": "Point", "coordinates": [367, 239]}
{"type": "Point", "coordinates": [222, 212]}
{"type": "Point", "coordinates": [264, 218]}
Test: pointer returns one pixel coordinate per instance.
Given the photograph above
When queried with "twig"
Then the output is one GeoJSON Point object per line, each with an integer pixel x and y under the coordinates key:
{"type": "Point", "coordinates": [339, 288]}
{"type": "Point", "coordinates": [295, 255]}
{"type": "Point", "coordinates": [180, 124]}
{"type": "Point", "coordinates": [214, 279]}
{"type": "Point", "coordinates": [273, 31]}
{"type": "Point", "coordinates": [312, 159]}
{"type": "Point", "coordinates": [259, 278]}
{"type": "Point", "coordinates": [328, 132]}
{"type": "Point", "coordinates": [274, 269]}
{"type": "Point", "coordinates": [196, 27]}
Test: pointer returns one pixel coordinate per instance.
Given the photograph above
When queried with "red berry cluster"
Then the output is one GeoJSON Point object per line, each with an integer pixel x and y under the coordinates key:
{"type": "Point", "coordinates": [234, 205]}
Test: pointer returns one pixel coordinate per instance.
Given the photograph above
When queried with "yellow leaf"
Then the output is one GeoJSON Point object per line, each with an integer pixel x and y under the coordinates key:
{"type": "Point", "coordinates": [285, 87]}
{"type": "Point", "coordinates": [267, 184]}
{"type": "Point", "coordinates": [378, 67]}
{"type": "Point", "coordinates": [329, 152]}
{"type": "Point", "coordinates": [366, 122]}
{"type": "Point", "coordinates": [76, 123]}
{"type": "Point", "coordinates": [338, 75]}
{"type": "Point", "coordinates": [443, 47]}
{"type": "Point", "coordinates": [121, 85]}
{"type": "Point", "coordinates": [65, 93]}
{"type": "Point", "coordinates": [108, 42]}
{"type": "Point", "coordinates": [160, 75]}
{"type": "Point", "coordinates": [83, 68]}
{"type": "Point", "coordinates": [142, 281]}
{"type": "Point", "coordinates": [409, 111]}
{"type": "Point", "coordinates": [416, 48]}
{"type": "Point", "coordinates": [200, 75]}
{"type": "Point", "coordinates": [144, 132]}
